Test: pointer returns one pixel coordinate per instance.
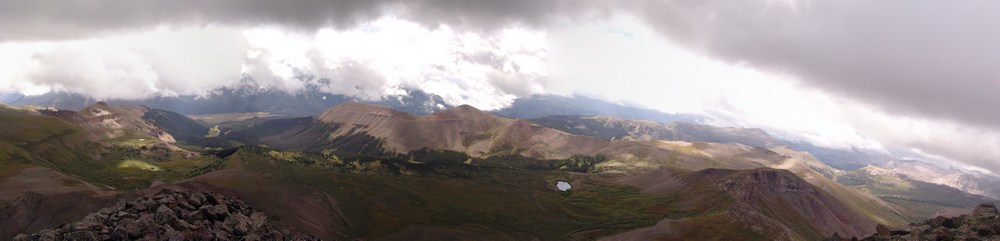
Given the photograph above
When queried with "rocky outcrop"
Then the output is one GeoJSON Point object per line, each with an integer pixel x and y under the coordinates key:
{"type": "Point", "coordinates": [982, 224]}
{"type": "Point", "coordinates": [173, 214]}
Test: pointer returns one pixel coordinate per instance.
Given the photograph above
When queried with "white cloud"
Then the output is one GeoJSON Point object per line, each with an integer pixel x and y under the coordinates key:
{"type": "Point", "coordinates": [388, 55]}
{"type": "Point", "coordinates": [372, 60]}
{"type": "Point", "coordinates": [643, 67]}
{"type": "Point", "coordinates": [133, 66]}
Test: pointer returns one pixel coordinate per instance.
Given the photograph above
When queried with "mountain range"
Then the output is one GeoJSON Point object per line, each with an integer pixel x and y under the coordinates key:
{"type": "Point", "coordinates": [428, 171]}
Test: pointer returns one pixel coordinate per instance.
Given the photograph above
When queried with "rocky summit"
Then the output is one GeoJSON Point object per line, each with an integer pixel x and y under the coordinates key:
{"type": "Point", "coordinates": [982, 224]}
{"type": "Point", "coordinates": [173, 214]}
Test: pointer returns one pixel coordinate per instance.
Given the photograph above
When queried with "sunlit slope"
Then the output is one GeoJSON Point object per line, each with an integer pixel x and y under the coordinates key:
{"type": "Point", "coordinates": [26, 138]}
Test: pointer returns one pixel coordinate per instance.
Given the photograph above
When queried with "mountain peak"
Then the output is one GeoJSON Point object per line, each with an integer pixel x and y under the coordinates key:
{"type": "Point", "coordinates": [97, 109]}
{"type": "Point", "coordinates": [462, 112]}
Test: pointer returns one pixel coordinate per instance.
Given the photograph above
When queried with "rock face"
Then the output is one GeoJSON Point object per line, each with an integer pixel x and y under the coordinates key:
{"type": "Point", "coordinates": [173, 214]}
{"type": "Point", "coordinates": [982, 224]}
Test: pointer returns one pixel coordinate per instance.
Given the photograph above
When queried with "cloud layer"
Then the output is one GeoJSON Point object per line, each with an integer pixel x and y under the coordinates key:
{"type": "Point", "coordinates": [630, 59]}
{"type": "Point", "coordinates": [388, 56]}
{"type": "Point", "coordinates": [135, 66]}
{"type": "Point", "coordinates": [909, 57]}
{"type": "Point", "coordinates": [56, 19]}
{"type": "Point", "coordinates": [369, 61]}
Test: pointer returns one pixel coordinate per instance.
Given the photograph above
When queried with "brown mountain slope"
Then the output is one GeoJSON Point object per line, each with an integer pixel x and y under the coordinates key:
{"type": "Point", "coordinates": [133, 127]}
{"type": "Point", "coordinates": [462, 129]}
{"type": "Point", "coordinates": [465, 129]}
{"type": "Point", "coordinates": [773, 202]}
{"type": "Point", "coordinates": [32, 138]}
{"type": "Point", "coordinates": [114, 122]}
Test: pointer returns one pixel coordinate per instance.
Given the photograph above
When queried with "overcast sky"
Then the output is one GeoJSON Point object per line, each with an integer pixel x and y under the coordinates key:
{"type": "Point", "coordinates": [871, 74]}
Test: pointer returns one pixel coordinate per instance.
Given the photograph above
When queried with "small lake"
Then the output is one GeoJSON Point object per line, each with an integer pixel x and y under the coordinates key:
{"type": "Point", "coordinates": [563, 186]}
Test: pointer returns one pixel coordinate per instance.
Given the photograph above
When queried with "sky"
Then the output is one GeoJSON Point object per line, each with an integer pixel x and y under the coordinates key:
{"type": "Point", "coordinates": [875, 75]}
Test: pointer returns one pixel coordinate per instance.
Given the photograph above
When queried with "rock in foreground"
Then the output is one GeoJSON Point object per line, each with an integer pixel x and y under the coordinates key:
{"type": "Point", "coordinates": [173, 214]}
{"type": "Point", "coordinates": [982, 224]}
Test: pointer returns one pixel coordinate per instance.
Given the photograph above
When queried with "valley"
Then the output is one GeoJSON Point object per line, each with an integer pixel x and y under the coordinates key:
{"type": "Point", "coordinates": [371, 172]}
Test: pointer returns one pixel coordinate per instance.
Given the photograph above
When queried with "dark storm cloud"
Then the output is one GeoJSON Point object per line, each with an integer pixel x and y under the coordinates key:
{"type": "Point", "coordinates": [930, 58]}
{"type": "Point", "coordinates": [56, 19]}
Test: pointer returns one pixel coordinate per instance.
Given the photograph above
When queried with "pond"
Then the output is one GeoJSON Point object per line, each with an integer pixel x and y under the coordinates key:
{"type": "Point", "coordinates": [563, 186]}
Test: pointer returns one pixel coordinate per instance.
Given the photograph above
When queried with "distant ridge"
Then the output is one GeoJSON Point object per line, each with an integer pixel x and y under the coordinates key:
{"type": "Point", "coordinates": [463, 129]}
{"type": "Point", "coordinates": [246, 97]}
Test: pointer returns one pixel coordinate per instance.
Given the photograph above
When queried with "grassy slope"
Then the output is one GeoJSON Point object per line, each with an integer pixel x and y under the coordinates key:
{"type": "Point", "coordinates": [44, 140]}
{"type": "Point", "coordinates": [380, 197]}
{"type": "Point", "coordinates": [27, 140]}
{"type": "Point", "coordinates": [520, 203]}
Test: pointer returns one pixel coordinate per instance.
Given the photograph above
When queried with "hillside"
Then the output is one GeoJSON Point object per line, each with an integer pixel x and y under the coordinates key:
{"type": "Point", "coordinates": [180, 127]}
{"type": "Point", "coordinates": [114, 122]}
{"type": "Point", "coordinates": [466, 130]}
{"type": "Point", "coordinates": [613, 127]}
{"type": "Point", "coordinates": [334, 199]}
{"type": "Point", "coordinates": [967, 181]}
{"type": "Point", "coordinates": [27, 138]}
{"type": "Point", "coordinates": [608, 127]}
{"type": "Point", "coordinates": [353, 126]}
{"type": "Point", "coordinates": [773, 202]}
{"type": "Point", "coordinates": [480, 167]}
{"type": "Point", "coordinates": [10, 109]}
{"type": "Point", "coordinates": [923, 199]}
